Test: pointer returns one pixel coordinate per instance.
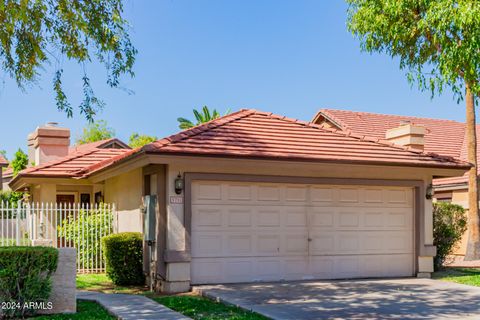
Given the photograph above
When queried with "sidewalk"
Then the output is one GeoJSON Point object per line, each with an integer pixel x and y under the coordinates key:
{"type": "Point", "coordinates": [457, 261]}
{"type": "Point", "coordinates": [131, 307]}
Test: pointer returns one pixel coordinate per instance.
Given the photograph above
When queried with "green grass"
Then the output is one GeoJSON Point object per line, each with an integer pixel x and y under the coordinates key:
{"type": "Point", "coordinates": [101, 283]}
{"type": "Point", "coordinates": [199, 308]}
{"type": "Point", "coordinates": [86, 310]}
{"type": "Point", "coordinates": [470, 276]}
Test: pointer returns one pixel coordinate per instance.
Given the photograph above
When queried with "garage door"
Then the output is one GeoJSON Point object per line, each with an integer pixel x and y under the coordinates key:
{"type": "Point", "coordinates": [246, 232]}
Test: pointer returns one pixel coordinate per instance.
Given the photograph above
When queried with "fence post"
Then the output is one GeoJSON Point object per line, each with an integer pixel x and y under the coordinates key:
{"type": "Point", "coordinates": [17, 229]}
{"type": "Point", "coordinates": [115, 219]}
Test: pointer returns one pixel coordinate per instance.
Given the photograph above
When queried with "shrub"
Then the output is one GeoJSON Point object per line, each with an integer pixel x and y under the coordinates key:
{"type": "Point", "coordinates": [11, 197]}
{"type": "Point", "coordinates": [25, 277]}
{"type": "Point", "coordinates": [84, 230]}
{"type": "Point", "coordinates": [123, 258]}
{"type": "Point", "coordinates": [449, 224]}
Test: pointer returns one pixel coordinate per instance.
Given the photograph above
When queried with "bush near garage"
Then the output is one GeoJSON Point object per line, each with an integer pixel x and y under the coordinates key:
{"type": "Point", "coordinates": [124, 258]}
{"type": "Point", "coordinates": [25, 277]}
{"type": "Point", "coordinates": [449, 225]}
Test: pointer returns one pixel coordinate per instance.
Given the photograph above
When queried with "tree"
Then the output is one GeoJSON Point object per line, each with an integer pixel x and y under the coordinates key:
{"type": "Point", "coordinates": [96, 131]}
{"type": "Point", "coordinates": [19, 162]}
{"type": "Point", "coordinates": [201, 117]}
{"type": "Point", "coordinates": [3, 153]}
{"type": "Point", "coordinates": [136, 140]}
{"type": "Point", "coordinates": [436, 42]}
{"type": "Point", "coordinates": [35, 34]}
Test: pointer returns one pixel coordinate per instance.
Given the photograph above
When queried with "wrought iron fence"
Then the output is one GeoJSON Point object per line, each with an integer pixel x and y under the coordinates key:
{"type": "Point", "coordinates": [80, 226]}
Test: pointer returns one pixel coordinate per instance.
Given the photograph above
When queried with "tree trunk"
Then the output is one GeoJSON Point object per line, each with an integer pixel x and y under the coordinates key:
{"type": "Point", "coordinates": [473, 246]}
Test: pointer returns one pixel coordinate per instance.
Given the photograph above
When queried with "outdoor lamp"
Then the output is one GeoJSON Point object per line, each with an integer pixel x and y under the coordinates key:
{"type": "Point", "coordinates": [179, 184]}
{"type": "Point", "coordinates": [429, 192]}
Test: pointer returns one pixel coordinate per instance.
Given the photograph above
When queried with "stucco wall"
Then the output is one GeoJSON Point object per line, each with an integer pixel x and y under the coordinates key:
{"type": "Point", "coordinates": [175, 211]}
{"type": "Point", "coordinates": [125, 191]}
{"type": "Point", "coordinates": [460, 197]}
{"type": "Point", "coordinates": [63, 296]}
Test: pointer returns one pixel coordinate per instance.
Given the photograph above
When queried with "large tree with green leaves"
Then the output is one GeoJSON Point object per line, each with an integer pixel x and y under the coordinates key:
{"type": "Point", "coordinates": [437, 43]}
{"type": "Point", "coordinates": [39, 33]}
{"type": "Point", "coordinates": [96, 131]}
{"type": "Point", "coordinates": [202, 116]}
{"type": "Point", "coordinates": [139, 140]}
{"type": "Point", "coordinates": [19, 162]}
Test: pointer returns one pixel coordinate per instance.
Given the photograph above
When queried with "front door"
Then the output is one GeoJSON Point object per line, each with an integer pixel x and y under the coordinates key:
{"type": "Point", "coordinates": [65, 198]}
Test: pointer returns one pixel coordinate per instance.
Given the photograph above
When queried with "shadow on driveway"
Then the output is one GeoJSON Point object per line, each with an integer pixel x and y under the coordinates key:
{"type": "Point", "coordinates": [353, 299]}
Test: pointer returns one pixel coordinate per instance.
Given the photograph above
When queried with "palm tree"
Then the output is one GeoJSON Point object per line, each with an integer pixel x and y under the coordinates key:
{"type": "Point", "coordinates": [201, 117]}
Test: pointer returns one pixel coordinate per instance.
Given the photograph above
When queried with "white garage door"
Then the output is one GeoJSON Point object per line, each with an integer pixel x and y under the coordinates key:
{"type": "Point", "coordinates": [245, 232]}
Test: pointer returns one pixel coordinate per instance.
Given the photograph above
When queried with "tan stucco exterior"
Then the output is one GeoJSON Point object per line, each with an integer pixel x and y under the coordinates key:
{"type": "Point", "coordinates": [460, 197]}
{"type": "Point", "coordinates": [125, 191]}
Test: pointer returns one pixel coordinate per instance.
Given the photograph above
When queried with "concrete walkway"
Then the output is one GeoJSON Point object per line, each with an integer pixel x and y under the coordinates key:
{"type": "Point", "coordinates": [131, 307]}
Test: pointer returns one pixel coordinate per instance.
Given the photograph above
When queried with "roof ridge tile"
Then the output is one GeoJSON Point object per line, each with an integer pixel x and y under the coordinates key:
{"type": "Point", "coordinates": [215, 123]}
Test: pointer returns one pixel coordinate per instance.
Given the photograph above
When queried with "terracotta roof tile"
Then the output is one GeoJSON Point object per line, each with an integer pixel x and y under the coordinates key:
{"type": "Point", "coordinates": [251, 133]}
{"type": "Point", "coordinates": [3, 161]}
{"type": "Point", "coordinates": [254, 134]}
{"type": "Point", "coordinates": [444, 137]}
{"type": "Point", "coordinates": [75, 165]}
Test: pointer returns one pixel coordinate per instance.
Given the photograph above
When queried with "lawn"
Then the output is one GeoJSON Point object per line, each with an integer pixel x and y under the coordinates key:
{"type": "Point", "coordinates": [470, 276]}
{"type": "Point", "coordinates": [86, 310]}
{"type": "Point", "coordinates": [200, 308]}
{"type": "Point", "coordinates": [193, 306]}
{"type": "Point", "coordinates": [101, 283]}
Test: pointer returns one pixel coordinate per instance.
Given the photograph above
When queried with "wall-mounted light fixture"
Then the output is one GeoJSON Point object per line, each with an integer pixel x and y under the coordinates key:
{"type": "Point", "coordinates": [179, 184]}
{"type": "Point", "coordinates": [429, 192]}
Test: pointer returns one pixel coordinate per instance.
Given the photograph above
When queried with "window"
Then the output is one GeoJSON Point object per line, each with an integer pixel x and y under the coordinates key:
{"type": "Point", "coordinates": [85, 198]}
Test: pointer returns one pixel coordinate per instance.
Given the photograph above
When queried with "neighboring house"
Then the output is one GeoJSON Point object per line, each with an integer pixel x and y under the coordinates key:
{"type": "Point", "coordinates": [3, 164]}
{"type": "Point", "coordinates": [444, 137]}
{"type": "Point", "coordinates": [55, 177]}
{"type": "Point", "coordinates": [254, 196]}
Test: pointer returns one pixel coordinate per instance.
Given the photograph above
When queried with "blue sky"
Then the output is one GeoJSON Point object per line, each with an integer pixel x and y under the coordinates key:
{"type": "Point", "coordinates": [288, 57]}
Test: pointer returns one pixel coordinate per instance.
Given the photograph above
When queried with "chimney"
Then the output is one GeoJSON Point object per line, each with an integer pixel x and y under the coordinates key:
{"type": "Point", "coordinates": [407, 134]}
{"type": "Point", "coordinates": [47, 143]}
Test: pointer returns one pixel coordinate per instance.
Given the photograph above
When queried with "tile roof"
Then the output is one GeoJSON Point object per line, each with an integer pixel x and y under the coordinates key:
{"type": "Point", "coordinates": [445, 137]}
{"type": "Point", "coordinates": [253, 134]}
{"type": "Point", "coordinates": [97, 144]}
{"type": "Point", "coordinates": [75, 165]}
{"type": "Point", "coordinates": [3, 161]}
{"type": "Point", "coordinates": [256, 134]}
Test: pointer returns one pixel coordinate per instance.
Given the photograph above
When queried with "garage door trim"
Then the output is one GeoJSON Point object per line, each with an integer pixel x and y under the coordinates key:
{"type": "Point", "coordinates": [418, 186]}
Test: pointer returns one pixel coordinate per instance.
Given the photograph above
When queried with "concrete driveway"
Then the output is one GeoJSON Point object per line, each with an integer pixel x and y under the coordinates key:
{"type": "Point", "coordinates": [353, 299]}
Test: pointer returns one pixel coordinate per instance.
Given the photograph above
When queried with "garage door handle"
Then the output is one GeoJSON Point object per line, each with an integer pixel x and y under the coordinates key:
{"type": "Point", "coordinates": [309, 239]}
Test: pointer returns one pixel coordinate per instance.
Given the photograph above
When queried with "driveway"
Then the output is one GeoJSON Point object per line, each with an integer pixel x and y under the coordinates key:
{"type": "Point", "coordinates": [353, 299]}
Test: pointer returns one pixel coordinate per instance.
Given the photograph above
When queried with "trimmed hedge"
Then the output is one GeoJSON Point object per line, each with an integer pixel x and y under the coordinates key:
{"type": "Point", "coordinates": [449, 225]}
{"type": "Point", "coordinates": [124, 258]}
{"type": "Point", "coordinates": [25, 274]}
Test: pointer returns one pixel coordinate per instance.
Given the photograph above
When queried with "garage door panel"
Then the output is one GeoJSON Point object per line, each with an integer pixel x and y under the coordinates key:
{"type": "Point", "coordinates": [296, 269]}
{"type": "Point", "coordinates": [268, 193]}
{"type": "Point", "coordinates": [240, 217]}
{"type": "Point", "coordinates": [268, 217]}
{"type": "Point", "coordinates": [207, 245]}
{"type": "Point", "coordinates": [265, 232]}
{"type": "Point", "coordinates": [269, 244]}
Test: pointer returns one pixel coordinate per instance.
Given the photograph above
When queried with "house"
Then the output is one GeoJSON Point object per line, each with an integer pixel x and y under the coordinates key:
{"type": "Point", "coordinates": [444, 137]}
{"type": "Point", "coordinates": [254, 196]}
{"type": "Point", "coordinates": [59, 167]}
{"type": "Point", "coordinates": [3, 164]}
